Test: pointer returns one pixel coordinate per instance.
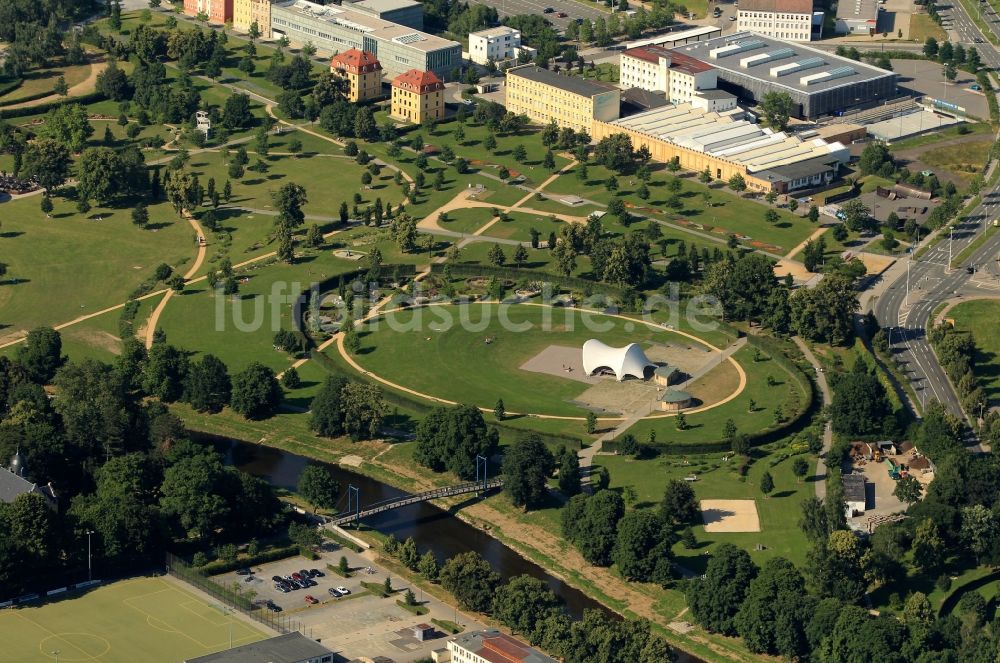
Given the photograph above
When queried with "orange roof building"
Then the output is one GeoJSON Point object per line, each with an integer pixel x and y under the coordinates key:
{"type": "Point", "coordinates": [417, 96]}
{"type": "Point", "coordinates": [361, 70]}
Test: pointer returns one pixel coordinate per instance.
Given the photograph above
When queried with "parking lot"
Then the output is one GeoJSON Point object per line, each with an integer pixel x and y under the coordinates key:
{"type": "Point", "coordinates": [926, 78]}
{"type": "Point", "coordinates": [572, 9]}
{"type": "Point", "coordinates": [360, 624]}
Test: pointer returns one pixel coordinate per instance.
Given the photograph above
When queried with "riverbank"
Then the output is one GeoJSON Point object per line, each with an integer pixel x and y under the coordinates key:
{"type": "Point", "coordinates": [538, 543]}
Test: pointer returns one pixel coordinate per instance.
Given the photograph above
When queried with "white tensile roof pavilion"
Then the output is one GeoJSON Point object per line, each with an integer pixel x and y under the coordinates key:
{"type": "Point", "coordinates": [630, 360]}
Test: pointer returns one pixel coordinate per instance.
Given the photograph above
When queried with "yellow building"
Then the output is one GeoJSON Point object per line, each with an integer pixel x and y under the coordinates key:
{"type": "Point", "coordinates": [417, 96]}
{"type": "Point", "coordinates": [245, 12]}
{"type": "Point", "coordinates": [362, 71]}
{"type": "Point", "coordinates": [569, 101]}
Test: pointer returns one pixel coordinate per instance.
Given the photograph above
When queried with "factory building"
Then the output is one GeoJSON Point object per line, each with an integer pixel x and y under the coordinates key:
{"type": "Point", "coordinates": [820, 83]}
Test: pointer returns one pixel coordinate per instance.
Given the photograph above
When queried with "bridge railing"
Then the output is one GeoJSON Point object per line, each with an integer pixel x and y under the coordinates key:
{"type": "Point", "coordinates": [405, 500]}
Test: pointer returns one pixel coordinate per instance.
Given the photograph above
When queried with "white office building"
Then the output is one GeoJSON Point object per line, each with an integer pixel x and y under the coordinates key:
{"type": "Point", "coordinates": [497, 44]}
{"type": "Point", "coordinates": [786, 20]}
{"type": "Point", "coordinates": [658, 69]}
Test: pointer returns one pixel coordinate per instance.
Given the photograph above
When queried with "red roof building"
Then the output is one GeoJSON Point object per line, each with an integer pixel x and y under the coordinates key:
{"type": "Point", "coordinates": [361, 70]}
{"type": "Point", "coordinates": [355, 61]}
{"type": "Point", "coordinates": [418, 82]}
{"type": "Point", "coordinates": [417, 96]}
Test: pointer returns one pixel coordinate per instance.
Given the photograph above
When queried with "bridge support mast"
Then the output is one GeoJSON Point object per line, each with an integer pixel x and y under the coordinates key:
{"type": "Point", "coordinates": [481, 471]}
{"type": "Point", "coordinates": [354, 504]}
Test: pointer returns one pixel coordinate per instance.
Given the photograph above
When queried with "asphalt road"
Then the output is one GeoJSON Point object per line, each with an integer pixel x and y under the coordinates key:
{"type": "Point", "coordinates": [957, 21]}
{"type": "Point", "coordinates": [930, 284]}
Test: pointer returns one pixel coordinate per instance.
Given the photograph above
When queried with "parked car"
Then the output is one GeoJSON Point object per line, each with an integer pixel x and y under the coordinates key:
{"type": "Point", "coordinates": [548, 10]}
{"type": "Point", "coordinates": [334, 593]}
{"type": "Point", "coordinates": [311, 600]}
{"type": "Point", "coordinates": [562, 14]}
{"type": "Point", "coordinates": [732, 18]}
{"type": "Point", "coordinates": [281, 588]}
{"type": "Point", "coordinates": [296, 577]}
{"type": "Point", "coordinates": [249, 578]}
{"type": "Point", "coordinates": [243, 572]}
{"type": "Point", "coordinates": [316, 573]}
{"type": "Point", "coordinates": [343, 590]}
{"type": "Point", "coordinates": [273, 607]}
{"type": "Point", "coordinates": [277, 578]}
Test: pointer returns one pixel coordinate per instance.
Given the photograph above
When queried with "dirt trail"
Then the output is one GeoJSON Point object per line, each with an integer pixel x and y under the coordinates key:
{"type": "Point", "coordinates": [154, 317]}
{"type": "Point", "coordinates": [86, 86]}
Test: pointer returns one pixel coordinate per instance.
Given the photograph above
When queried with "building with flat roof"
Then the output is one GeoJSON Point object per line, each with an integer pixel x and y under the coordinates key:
{"type": "Point", "coordinates": [679, 37]}
{"type": "Point", "coordinates": [417, 96]}
{"type": "Point", "coordinates": [289, 648]}
{"type": "Point", "coordinates": [497, 44]}
{"type": "Point", "coordinates": [401, 12]}
{"type": "Point", "coordinates": [857, 17]}
{"type": "Point", "coordinates": [855, 498]}
{"type": "Point", "coordinates": [362, 71]}
{"type": "Point", "coordinates": [569, 101]}
{"type": "Point", "coordinates": [657, 68]}
{"type": "Point", "coordinates": [726, 144]}
{"type": "Point", "coordinates": [787, 20]}
{"type": "Point", "coordinates": [492, 646]}
{"type": "Point", "coordinates": [333, 29]}
{"type": "Point", "coordinates": [820, 83]}
{"type": "Point", "coordinates": [714, 100]}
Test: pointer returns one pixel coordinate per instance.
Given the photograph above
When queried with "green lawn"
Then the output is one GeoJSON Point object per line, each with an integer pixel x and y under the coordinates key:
{"type": "Point", "coordinates": [963, 161]}
{"type": "Point", "coordinates": [466, 221]}
{"type": "Point", "coordinates": [142, 619]}
{"type": "Point", "coordinates": [779, 513]}
{"type": "Point", "coordinates": [430, 350]}
{"type": "Point", "coordinates": [518, 226]}
{"type": "Point", "coordinates": [44, 80]}
{"type": "Point", "coordinates": [980, 317]}
{"type": "Point", "coordinates": [708, 426]}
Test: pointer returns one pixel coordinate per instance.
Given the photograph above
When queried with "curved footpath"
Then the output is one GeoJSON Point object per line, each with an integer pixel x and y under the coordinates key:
{"type": "Point", "coordinates": [154, 317]}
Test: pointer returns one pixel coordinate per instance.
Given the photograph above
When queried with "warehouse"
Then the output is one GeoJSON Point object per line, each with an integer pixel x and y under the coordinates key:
{"type": "Point", "coordinates": [333, 29]}
{"type": "Point", "coordinates": [726, 144]}
{"type": "Point", "coordinates": [679, 37]}
{"type": "Point", "coordinates": [820, 83]}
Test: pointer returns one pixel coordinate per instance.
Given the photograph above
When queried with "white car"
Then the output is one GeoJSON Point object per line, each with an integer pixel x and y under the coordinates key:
{"type": "Point", "coordinates": [343, 590]}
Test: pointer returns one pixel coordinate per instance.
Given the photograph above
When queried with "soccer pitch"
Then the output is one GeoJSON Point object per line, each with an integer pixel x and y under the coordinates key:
{"type": "Point", "coordinates": [143, 619]}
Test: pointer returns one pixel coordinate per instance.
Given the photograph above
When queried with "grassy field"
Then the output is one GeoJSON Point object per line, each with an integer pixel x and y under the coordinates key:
{"type": "Point", "coordinates": [980, 317]}
{"type": "Point", "coordinates": [142, 619]}
{"type": "Point", "coordinates": [44, 80]}
{"type": "Point", "coordinates": [779, 513]}
{"type": "Point", "coordinates": [424, 351]}
{"type": "Point", "coordinates": [964, 160]}
{"type": "Point", "coordinates": [922, 27]}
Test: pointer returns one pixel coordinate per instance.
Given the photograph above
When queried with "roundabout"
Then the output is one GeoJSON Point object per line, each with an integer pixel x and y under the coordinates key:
{"type": "Point", "coordinates": [529, 355]}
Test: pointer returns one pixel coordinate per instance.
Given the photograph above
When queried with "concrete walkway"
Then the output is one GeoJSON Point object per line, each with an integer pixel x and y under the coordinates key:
{"type": "Point", "coordinates": [824, 390]}
{"type": "Point", "coordinates": [154, 317]}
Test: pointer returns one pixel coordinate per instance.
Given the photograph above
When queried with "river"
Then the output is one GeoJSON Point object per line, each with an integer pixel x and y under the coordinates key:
{"type": "Point", "coordinates": [431, 527]}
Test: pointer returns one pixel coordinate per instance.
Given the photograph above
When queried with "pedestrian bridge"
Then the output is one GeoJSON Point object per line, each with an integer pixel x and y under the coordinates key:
{"type": "Point", "coordinates": [405, 500]}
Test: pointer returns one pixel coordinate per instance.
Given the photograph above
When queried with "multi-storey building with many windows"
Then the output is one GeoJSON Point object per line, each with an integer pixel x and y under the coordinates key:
{"type": "Point", "coordinates": [656, 68]}
{"type": "Point", "coordinates": [417, 96]}
{"type": "Point", "coordinates": [362, 71]}
{"type": "Point", "coordinates": [217, 11]}
{"type": "Point", "coordinates": [333, 29]}
{"type": "Point", "coordinates": [492, 646]}
{"type": "Point", "coordinates": [497, 44]}
{"type": "Point", "coordinates": [247, 12]}
{"type": "Point", "coordinates": [569, 101]}
{"type": "Point", "coordinates": [787, 20]}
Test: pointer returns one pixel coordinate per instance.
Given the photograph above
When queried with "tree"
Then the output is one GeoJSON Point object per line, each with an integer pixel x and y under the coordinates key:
{"type": "Point", "coordinates": [189, 494]}
{"type": "Point", "coordinates": [907, 490]}
{"type": "Point", "coordinates": [800, 468]}
{"type": "Point", "coordinates": [451, 438]}
{"type": "Point", "coordinates": [288, 202]}
{"type": "Point", "coordinates": [931, 47]}
{"type": "Point", "coordinates": [569, 473]}
{"type": "Point", "coordinates": [642, 548]}
{"type": "Point", "coordinates": [679, 505]}
{"type": "Point", "coordinates": [236, 113]}
{"type": "Point", "coordinates": [860, 404]}
{"type": "Point", "coordinates": [978, 529]}
{"type": "Point", "coordinates": [527, 465]}
{"type": "Point", "coordinates": [41, 354]}
{"type": "Point", "coordinates": [140, 215]}
{"type": "Point", "coordinates": [949, 71]}
{"type": "Point", "coordinates": [256, 393]}
{"type": "Point", "coordinates": [520, 256]}
{"type": "Point", "coordinates": [766, 483]}
{"type": "Point", "coordinates": [825, 313]}
{"type": "Point", "coordinates": [591, 523]}
{"type": "Point", "coordinates": [318, 486]}
{"type": "Point", "coordinates": [46, 206]}
{"type": "Point", "coordinates": [615, 153]}
{"type": "Point", "coordinates": [471, 580]}
{"type": "Point", "coordinates": [47, 161]}
{"type": "Point", "coordinates": [428, 566]}
{"type": "Point", "coordinates": [776, 108]}
{"type": "Point", "coordinates": [326, 415]}
{"type": "Point", "coordinates": [929, 550]}
{"type": "Point", "coordinates": [737, 183]}
{"type": "Point", "coordinates": [773, 616]}
{"type": "Point", "coordinates": [496, 256]}
{"type": "Point", "coordinates": [67, 125]}
{"type": "Point", "coordinates": [716, 597]}
{"type": "Point", "coordinates": [523, 603]}
{"type": "Point", "coordinates": [499, 411]}
{"type": "Point", "coordinates": [207, 385]}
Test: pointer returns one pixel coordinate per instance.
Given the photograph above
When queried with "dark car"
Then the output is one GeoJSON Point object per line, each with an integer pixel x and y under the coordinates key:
{"type": "Point", "coordinates": [548, 10]}
{"type": "Point", "coordinates": [277, 578]}
{"type": "Point", "coordinates": [334, 593]}
{"type": "Point", "coordinates": [243, 572]}
{"type": "Point", "coordinates": [970, 270]}
{"type": "Point", "coordinates": [315, 573]}
{"type": "Point", "coordinates": [273, 607]}
{"type": "Point", "coordinates": [281, 588]}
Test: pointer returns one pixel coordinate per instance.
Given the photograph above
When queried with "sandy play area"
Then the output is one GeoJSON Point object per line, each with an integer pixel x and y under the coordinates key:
{"type": "Point", "coordinates": [730, 515]}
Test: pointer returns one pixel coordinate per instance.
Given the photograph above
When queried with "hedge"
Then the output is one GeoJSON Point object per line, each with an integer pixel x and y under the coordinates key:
{"type": "Point", "coordinates": [9, 86]}
{"type": "Point", "coordinates": [218, 566]}
{"type": "Point", "coordinates": [550, 439]}
{"type": "Point", "coordinates": [391, 396]}
{"type": "Point", "coordinates": [30, 97]}
{"type": "Point", "coordinates": [515, 274]}
{"type": "Point", "coordinates": [7, 113]}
